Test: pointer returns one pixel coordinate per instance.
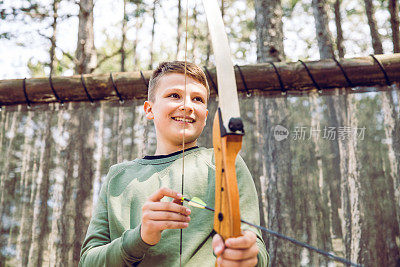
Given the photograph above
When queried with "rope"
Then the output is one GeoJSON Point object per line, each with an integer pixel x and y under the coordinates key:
{"type": "Point", "coordinates": [59, 100]}
{"type": "Point", "coordinates": [144, 80]}
{"type": "Point", "coordinates": [311, 77]}
{"type": "Point", "coordinates": [86, 90]}
{"type": "Point", "coordinates": [350, 84]}
{"type": "Point", "coordinates": [26, 95]}
{"type": "Point", "coordinates": [283, 90]}
{"type": "Point", "coordinates": [121, 101]}
{"type": "Point", "coordinates": [248, 93]}
{"type": "Point", "coordinates": [382, 69]}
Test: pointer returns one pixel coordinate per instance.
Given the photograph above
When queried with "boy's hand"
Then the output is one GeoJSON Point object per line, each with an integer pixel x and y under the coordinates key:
{"type": "Point", "coordinates": [239, 251]}
{"type": "Point", "coordinates": [158, 216]}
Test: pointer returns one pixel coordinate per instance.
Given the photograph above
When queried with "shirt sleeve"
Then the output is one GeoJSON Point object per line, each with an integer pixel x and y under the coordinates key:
{"type": "Point", "coordinates": [249, 208]}
{"type": "Point", "coordinates": [98, 249]}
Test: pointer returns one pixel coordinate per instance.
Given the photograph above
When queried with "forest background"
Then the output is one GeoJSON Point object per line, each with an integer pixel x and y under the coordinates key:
{"type": "Point", "coordinates": [333, 182]}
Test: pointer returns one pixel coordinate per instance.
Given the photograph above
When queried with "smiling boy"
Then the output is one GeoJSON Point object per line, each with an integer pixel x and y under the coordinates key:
{"type": "Point", "coordinates": [136, 224]}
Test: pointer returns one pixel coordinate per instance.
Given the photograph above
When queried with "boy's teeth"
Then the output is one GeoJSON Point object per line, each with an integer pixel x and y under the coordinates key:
{"type": "Point", "coordinates": [183, 119]}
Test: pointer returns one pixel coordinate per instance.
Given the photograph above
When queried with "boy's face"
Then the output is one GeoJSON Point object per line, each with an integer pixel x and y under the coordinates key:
{"type": "Point", "coordinates": [168, 112]}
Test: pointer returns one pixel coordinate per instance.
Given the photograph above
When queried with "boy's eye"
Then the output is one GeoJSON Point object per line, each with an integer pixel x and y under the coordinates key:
{"type": "Point", "coordinates": [174, 95]}
{"type": "Point", "coordinates": [199, 99]}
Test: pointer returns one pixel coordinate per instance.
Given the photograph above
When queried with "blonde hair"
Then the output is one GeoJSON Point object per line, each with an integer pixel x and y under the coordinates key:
{"type": "Point", "coordinates": [192, 70]}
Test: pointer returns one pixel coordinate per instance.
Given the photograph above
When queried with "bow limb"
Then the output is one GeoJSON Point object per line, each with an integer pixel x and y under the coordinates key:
{"type": "Point", "coordinates": [227, 129]}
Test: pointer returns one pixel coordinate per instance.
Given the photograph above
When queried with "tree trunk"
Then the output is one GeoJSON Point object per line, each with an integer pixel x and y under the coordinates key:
{"type": "Point", "coordinates": [178, 28]}
{"type": "Point", "coordinates": [120, 134]}
{"type": "Point", "coordinates": [325, 44]}
{"type": "Point", "coordinates": [279, 193]}
{"type": "Point", "coordinates": [352, 210]}
{"type": "Point", "coordinates": [391, 197]}
{"type": "Point", "coordinates": [25, 231]}
{"type": "Point", "coordinates": [390, 124]}
{"type": "Point", "coordinates": [328, 187]}
{"type": "Point", "coordinates": [53, 37]}
{"type": "Point", "coordinates": [133, 147]}
{"type": "Point", "coordinates": [5, 179]}
{"type": "Point", "coordinates": [5, 116]}
{"type": "Point", "coordinates": [123, 39]}
{"type": "Point", "coordinates": [86, 55]}
{"type": "Point", "coordinates": [196, 33]}
{"type": "Point", "coordinates": [153, 14]}
{"type": "Point", "coordinates": [276, 155]}
{"type": "Point", "coordinates": [40, 209]}
{"type": "Point", "coordinates": [223, 10]}
{"type": "Point", "coordinates": [84, 183]}
{"type": "Point", "coordinates": [394, 23]}
{"type": "Point", "coordinates": [339, 31]}
{"type": "Point", "coordinates": [324, 36]}
{"type": "Point", "coordinates": [26, 179]}
{"type": "Point", "coordinates": [208, 49]}
{"type": "Point", "coordinates": [114, 138]}
{"type": "Point", "coordinates": [138, 26]}
{"type": "Point", "coordinates": [391, 133]}
{"type": "Point", "coordinates": [269, 29]}
{"type": "Point", "coordinates": [355, 187]}
{"type": "Point", "coordinates": [333, 167]}
{"type": "Point", "coordinates": [99, 156]}
{"type": "Point", "coordinates": [373, 27]}
{"type": "Point", "coordinates": [61, 186]}
{"type": "Point", "coordinates": [319, 189]}
{"type": "Point", "coordinates": [67, 209]}
{"type": "Point", "coordinates": [85, 51]}
{"type": "Point", "coordinates": [259, 171]}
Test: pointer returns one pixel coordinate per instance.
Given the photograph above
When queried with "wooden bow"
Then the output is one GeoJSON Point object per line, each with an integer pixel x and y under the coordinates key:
{"type": "Point", "coordinates": [227, 129]}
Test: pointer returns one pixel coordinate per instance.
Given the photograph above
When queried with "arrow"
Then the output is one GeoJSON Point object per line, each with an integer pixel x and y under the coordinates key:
{"type": "Point", "coordinates": [198, 203]}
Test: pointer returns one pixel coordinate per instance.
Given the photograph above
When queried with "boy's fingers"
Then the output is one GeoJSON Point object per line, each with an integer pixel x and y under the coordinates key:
{"type": "Point", "coordinates": [221, 262]}
{"type": "Point", "coordinates": [240, 254]}
{"type": "Point", "coordinates": [163, 225]}
{"type": "Point", "coordinates": [167, 206]}
{"type": "Point", "coordinates": [166, 216]}
{"type": "Point", "coordinates": [242, 242]}
{"type": "Point", "coordinates": [218, 245]}
{"type": "Point", "coordinates": [164, 192]}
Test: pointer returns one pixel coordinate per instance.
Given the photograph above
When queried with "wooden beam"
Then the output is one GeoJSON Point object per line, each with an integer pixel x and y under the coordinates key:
{"type": "Point", "coordinates": [361, 71]}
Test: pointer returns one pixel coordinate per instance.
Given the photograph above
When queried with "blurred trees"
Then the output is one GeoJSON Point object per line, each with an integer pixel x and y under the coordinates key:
{"type": "Point", "coordinates": [325, 184]}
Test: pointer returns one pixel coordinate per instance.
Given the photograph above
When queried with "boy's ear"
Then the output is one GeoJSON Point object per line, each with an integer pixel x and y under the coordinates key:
{"type": "Point", "coordinates": [148, 110]}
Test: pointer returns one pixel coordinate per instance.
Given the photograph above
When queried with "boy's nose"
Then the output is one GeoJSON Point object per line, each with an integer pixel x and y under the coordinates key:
{"type": "Point", "coordinates": [187, 106]}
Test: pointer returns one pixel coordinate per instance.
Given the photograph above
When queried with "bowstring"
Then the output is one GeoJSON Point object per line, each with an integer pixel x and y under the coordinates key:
{"type": "Point", "coordinates": [184, 125]}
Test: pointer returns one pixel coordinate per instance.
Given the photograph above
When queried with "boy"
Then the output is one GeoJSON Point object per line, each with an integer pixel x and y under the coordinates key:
{"type": "Point", "coordinates": [135, 224]}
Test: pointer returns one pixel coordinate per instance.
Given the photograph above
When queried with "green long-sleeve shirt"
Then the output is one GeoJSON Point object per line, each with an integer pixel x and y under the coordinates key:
{"type": "Point", "coordinates": [113, 237]}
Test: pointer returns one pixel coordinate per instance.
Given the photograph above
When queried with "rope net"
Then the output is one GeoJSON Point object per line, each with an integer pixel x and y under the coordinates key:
{"type": "Point", "coordinates": [326, 168]}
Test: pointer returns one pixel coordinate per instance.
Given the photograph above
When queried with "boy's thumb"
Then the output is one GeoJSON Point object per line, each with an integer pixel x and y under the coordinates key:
{"type": "Point", "coordinates": [218, 245]}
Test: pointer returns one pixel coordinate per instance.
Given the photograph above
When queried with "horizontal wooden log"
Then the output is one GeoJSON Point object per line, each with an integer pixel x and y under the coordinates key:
{"type": "Point", "coordinates": [361, 71]}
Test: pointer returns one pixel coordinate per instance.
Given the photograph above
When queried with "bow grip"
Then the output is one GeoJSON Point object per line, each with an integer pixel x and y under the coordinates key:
{"type": "Point", "coordinates": [227, 212]}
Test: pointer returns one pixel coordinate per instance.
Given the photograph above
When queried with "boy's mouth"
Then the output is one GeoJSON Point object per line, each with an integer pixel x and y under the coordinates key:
{"type": "Point", "coordinates": [189, 120]}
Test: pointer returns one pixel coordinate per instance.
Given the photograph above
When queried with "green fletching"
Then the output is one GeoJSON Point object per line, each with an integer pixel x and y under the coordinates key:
{"type": "Point", "coordinates": [197, 202]}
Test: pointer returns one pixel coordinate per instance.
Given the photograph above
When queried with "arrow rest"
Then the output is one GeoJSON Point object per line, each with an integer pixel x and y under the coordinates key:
{"type": "Point", "coordinates": [235, 125]}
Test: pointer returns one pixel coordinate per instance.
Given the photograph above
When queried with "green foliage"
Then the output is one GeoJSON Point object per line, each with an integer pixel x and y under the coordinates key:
{"type": "Point", "coordinates": [288, 7]}
{"type": "Point", "coordinates": [36, 68]}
